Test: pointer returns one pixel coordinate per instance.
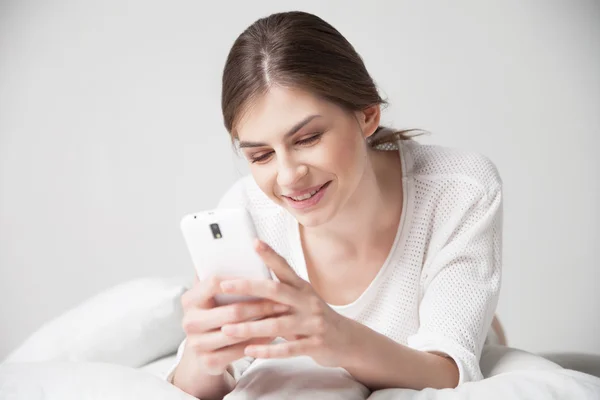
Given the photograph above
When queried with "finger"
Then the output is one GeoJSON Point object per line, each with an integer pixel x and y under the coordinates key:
{"type": "Point", "coordinates": [278, 265]}
{"type": "Point", "coordinates": [282, 350]}
{"type": "Point", "coordinates": [216, 362]}
{"type": "Point", "coordinates": [212, 341]}
{"type": "Point", "coordinates": [202, 294]}
{"type": "Point", "coordinates": [199, 320]}
{"type": "Point", "coordinates": [264, 288]}
{"type": "Point", "coordinates": [278, 326]}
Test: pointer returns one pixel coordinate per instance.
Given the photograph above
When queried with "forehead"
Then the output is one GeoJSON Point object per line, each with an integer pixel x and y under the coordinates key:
{"type": "Point", "coordinates": [278, 110]}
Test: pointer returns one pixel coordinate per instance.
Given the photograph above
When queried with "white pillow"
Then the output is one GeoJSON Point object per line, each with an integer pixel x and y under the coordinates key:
{"type": "Point", "coordinates": [546, 384]}
{"type": "Point", "coordinates": [298, 379]}
{"type": "Point", "coordinates": [518, 375]}
{"type": "Point", "coordinates": [83, 381]}
{"type": "Point", "coordinates": [162, 366]}
{"type": "Point", "coordinates": [498, 359]}
{"type": "Point", "coordinates": [130, 324]}
{"type": "Point", "coordinates": [515, 374]}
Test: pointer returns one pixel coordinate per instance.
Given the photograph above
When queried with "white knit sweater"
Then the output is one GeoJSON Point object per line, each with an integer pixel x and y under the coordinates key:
{"type": "Point", "coordinates": [438, 288]}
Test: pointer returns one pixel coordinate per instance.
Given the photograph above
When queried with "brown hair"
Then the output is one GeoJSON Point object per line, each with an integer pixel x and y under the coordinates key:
{"type": "Point", "coordinates": [298, 49]}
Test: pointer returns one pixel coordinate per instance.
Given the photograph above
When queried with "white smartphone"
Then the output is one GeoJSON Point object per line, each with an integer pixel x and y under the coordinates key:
{"type": "Point", "coordinates": [221, 242]}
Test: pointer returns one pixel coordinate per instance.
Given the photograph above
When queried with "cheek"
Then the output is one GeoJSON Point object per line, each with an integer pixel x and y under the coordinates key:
{"type": "Point", "coordinates": [265, 177]}
{"type": "Point", "coordinates": [345, 158]}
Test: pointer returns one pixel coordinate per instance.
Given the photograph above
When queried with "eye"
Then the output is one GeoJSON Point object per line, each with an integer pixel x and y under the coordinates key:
{"type": "Point", "coordinates": [310, 140]}
{"type": "Point", "coordinates": [261, 158]}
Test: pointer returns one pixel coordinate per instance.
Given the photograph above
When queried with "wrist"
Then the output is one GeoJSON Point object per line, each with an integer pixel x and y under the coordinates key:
{"type": "Point", "coordinates": [354, 341]}
{"type": "Point", "coordinates": [190, 377]}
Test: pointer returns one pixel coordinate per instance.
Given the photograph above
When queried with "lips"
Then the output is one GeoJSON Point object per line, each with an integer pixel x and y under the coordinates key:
{"type": "Point", "coordinates": [306, 198]}
{"type": "Point", "coordinates": [305, 193]}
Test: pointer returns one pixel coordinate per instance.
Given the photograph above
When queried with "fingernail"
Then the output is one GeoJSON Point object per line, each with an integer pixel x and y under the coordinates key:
{"type": "Point", "coordinates": [281, 308]}
{"type": "Point", "coordinates": [260, 245]}
{"type": "Point", "coordinates": [227, 285]}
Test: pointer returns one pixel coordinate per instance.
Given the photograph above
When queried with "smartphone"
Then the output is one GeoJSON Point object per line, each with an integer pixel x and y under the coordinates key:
{"type": "Point", "coordinates": [221, 242]}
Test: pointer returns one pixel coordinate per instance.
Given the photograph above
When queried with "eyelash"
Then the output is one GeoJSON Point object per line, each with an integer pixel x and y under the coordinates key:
{"type": "Point", "coordinates": [309, 140]}
{"type": "Point", "coordinates": [304, 142]}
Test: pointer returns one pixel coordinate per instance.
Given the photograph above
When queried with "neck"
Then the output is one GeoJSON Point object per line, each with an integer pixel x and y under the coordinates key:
{"type": "Point", "coordinates": [371, 216]}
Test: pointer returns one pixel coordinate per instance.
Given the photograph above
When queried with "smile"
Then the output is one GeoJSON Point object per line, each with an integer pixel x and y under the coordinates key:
{"type": "Point", "coordinates": [306, 196]}
{"type": "Point", "coordinates": [308, 199]}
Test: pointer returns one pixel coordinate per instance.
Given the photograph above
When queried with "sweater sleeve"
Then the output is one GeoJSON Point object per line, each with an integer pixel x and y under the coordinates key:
{"type": "Point", "coordinates": [233, 198]}
{"type": "Point", "coordinates": [460, 284]}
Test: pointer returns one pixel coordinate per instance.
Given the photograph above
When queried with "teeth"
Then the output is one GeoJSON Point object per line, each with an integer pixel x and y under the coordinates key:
{"type": "Point", "coordinates": [305, 196]}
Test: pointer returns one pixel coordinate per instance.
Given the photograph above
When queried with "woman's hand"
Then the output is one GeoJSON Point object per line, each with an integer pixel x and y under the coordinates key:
{"type": "Point", "coordinates": [311, 327]}
{"type": "Point", "coordinates": [210, 348]}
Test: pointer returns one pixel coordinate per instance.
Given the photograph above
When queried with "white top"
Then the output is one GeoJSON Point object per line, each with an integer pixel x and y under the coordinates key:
{"type": "Point", "coordinates": [438, 288]}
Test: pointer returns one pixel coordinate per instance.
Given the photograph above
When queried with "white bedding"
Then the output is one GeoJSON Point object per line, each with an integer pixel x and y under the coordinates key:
{"type": "Point", "coordinates": [531, 384]}
{"type": "Point", "coordinates": [103, 364]}
{"type": "Point", "coordinates": [513, 375]}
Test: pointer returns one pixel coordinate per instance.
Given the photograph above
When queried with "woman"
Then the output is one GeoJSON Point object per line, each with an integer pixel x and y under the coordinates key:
{"type": "Point", "coordinates": [387, 252]}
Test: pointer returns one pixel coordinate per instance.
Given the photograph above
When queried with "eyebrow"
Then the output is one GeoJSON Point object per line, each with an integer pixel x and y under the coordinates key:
{"type": "Point", "coordinates": [289, 133]}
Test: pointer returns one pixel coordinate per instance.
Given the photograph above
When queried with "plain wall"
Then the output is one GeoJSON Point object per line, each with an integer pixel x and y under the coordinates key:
{"type": "Point", "coordinates": [111, 130]}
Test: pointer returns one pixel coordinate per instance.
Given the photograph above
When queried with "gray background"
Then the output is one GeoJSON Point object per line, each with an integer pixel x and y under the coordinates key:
{"type": "Point", "coordinates": [110, 131]}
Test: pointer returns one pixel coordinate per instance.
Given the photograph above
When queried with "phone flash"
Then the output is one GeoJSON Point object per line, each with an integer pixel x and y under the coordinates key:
{"type": "Point", "coordinates": [216, 231]}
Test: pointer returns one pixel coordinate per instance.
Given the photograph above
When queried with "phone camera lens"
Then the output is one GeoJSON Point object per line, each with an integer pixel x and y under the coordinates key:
{"type": "Point", "coordinates": [216, 231]}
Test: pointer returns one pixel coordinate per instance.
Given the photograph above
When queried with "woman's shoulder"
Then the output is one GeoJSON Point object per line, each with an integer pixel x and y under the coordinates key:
{"type": "Point", "coordinates": [436, 162]}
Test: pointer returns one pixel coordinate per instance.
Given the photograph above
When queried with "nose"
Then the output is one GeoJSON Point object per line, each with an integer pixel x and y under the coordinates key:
{"type": "Point", "coordinates": [290, 171]}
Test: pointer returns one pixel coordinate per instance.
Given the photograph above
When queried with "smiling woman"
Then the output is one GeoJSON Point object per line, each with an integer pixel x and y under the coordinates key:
{"type": "Point", "coordinates": [387, 252]}
{"type": "Point", "coordinates": [307, 151]}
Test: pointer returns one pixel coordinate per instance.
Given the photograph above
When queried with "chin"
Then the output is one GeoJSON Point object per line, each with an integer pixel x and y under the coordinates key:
{"type": "Point", "coordinates": [313, 218]}
{"type": "Point", "coordinates": [309, 221]}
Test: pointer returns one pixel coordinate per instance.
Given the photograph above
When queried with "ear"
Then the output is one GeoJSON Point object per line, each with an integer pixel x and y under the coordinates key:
{"type": "Point", "coordinates": [369, 119]}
